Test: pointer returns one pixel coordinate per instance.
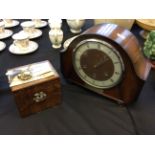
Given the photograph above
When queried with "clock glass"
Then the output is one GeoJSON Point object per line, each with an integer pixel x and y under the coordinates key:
{"type": "Point", "coordinates": [98, 63]}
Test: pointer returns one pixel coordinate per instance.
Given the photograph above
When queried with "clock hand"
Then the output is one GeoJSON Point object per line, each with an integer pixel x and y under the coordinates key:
{"type": "Point", "coordinates": [101, 62]}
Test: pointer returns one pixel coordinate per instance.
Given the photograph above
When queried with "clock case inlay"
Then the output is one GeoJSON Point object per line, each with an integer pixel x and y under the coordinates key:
{"type": "Point", "coordinates": [136, 66]}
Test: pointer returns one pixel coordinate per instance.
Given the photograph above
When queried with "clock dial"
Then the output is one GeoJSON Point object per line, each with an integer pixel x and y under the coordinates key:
{"type": "Point", "coordinates": [98, 63]}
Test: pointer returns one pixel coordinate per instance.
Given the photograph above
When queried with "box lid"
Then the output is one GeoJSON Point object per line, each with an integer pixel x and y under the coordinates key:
{"type": "Point", "coordinates": [31, 74]}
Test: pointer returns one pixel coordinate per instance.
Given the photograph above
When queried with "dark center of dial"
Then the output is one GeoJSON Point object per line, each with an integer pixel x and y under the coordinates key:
{"type": "Point", "coordinates": [97, 65]}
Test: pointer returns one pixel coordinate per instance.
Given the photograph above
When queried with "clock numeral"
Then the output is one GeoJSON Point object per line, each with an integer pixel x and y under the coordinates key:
{"type": "Point", "coordinates": [87, 45]}
{"type": "Point", "coordinates": [93, 82]}
{"type": "Point", "coordinates": [109, 52]}
{"type": "Point", "coordinates": [77, 59]}
{"type": "Point", "coordinates": [112, 80]}
{"type": "Point", "coordinates": [116, 62]}
{"type": "Point", "coordinates": [85, 76]}
{"type": "Point", "coordinates": [79, 68]}
{"type": "Point", "coordinates": [85, 53]}
{"type": "Point", "coordinates": [99, 46]}
{"type": "Point", "coordinates": [117, 73]}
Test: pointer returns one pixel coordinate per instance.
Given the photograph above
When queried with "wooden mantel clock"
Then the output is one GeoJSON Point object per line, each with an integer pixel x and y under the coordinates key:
{"type": "Point", "coordinates": [106, 59]}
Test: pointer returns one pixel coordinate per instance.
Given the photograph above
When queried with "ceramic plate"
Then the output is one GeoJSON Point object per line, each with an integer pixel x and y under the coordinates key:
{"type": "Point", "coordinates": [68, 41]}
{"type": "Point", "coordinates": [35, 34]}
{"type": "Point", "coordinates": [2, 46]}
{"type": "Point", "coordinates": [6, 34]}
{"type": "Point", "coordinates": [33, 46]}
{"type": "Point", "coordinates": [41, 25]}
{"type": "Point", "coordinates": [13, 24]}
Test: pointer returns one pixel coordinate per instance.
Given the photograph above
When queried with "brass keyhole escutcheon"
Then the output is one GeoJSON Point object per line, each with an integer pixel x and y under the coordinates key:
{"type": "Point", "coordinates": [39, 97]}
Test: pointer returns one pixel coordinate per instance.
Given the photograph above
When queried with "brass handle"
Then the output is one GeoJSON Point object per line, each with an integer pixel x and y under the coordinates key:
{"type": "Point", "coordinates": [39, 97]}
{"type": "Point", "coordinates": [24, 75]}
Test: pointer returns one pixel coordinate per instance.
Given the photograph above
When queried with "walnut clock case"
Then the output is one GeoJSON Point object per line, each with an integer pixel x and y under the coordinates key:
{"type": "Point", "coordinates": [106, 59]}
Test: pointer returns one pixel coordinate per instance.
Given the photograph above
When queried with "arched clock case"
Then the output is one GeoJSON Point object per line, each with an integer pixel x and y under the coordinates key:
{"type": "Point", "coordinates": [106, 59]}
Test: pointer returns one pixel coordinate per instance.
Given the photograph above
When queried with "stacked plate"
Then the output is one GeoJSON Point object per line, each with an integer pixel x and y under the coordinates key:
{"type": "Point", "coordinates": [2, 46]}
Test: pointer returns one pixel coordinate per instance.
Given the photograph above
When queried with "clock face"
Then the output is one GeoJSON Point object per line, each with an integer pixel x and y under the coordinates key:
{"type": "Point", "coordinates": [98, 64]}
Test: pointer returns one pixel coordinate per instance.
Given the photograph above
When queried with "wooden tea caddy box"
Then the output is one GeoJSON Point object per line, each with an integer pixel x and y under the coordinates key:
{"type": "Point", "coordinates": [35, 87]}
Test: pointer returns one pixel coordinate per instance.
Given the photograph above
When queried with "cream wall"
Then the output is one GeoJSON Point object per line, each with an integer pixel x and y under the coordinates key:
{"type": "Point", "coordinates": [127, 23]}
